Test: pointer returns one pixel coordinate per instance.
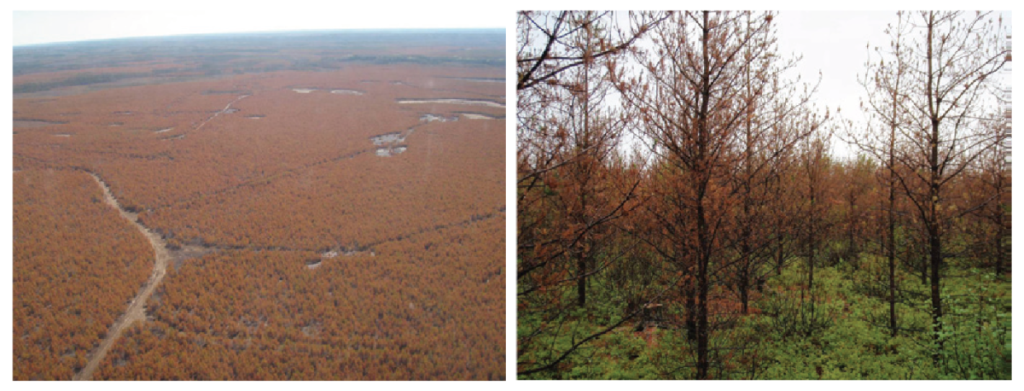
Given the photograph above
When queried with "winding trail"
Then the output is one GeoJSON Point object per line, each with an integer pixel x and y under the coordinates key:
{"type": "Point", "coordinates": [136, 310]}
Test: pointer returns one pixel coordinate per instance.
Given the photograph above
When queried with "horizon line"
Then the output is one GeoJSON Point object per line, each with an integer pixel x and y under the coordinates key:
{"type": "Point", "coordinates": [372, 29]}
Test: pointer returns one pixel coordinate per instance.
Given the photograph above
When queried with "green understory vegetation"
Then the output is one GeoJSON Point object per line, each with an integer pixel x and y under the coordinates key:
{"type": "Point", "coordinates": [837, 330]}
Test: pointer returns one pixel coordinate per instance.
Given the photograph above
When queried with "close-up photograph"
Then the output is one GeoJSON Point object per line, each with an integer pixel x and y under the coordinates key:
{"type": "Point", "coordinates": [747, 195]}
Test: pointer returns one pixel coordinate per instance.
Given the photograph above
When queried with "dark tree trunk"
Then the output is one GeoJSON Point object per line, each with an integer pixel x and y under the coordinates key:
{"type": "Point", "coordinates": [691, 312]}
{"type": "Point", "coordinates": [936, 263]}
{"type": "Point", "coordinates": [892, 261]}
{"type": "Point", "coordinates": [999, 248]}
{"type": "Point", "coordinates": [812, 245]}
{"type": "Point", "coordinates": [779, 254]}
{"type": "Point", "coordinates": [1000, 230]}
{"type": "Point", "coordinates": [745, 266]}
{"type": "Point", "coordinates": [703, 176]}
{"type": "Point", "coordinates": [581, 281]}
{"type": "Point", "coordinates": [702, 324]}
{"type": "Point", "coordinates": [924, 269]}
{"type": "Point", "coordinates": [744, 292]}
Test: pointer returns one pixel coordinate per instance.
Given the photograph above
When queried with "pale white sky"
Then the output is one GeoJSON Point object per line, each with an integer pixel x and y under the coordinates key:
{"type": "Point", "coordinates": [835, 43]}
{"type": "Point", "coordinates": [31, 27]}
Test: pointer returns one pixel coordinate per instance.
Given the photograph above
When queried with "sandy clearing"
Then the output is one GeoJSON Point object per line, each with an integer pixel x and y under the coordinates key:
{"type": "Point", "coordinates": [347, 92]}
{"type": "Point", "coordinates": [136, 310]}
{"type": "Point", "coordinates": [451, 101]}
{"type": "Point", "coordinates": [438, 118]}
{"type": "Point", "coordinates": [303, 90]}
{"type": "Point", "coordinates": [387, 138]}
{"type": "Point", "coordinates": [476, 116]}
{"type": "Point", "coordinates": [391, 151]}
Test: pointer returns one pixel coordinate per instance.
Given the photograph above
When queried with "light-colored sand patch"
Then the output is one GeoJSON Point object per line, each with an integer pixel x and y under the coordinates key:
{"type": "Point", "coordinates": [451, 101]}
{"type": "Point", "coordinates": [164, 130]}
{"type": "Point", "coordinates": [303, 90]}
{"type": "Point", "coordinates": [347, 92]}
{"type": "Point", "coordinates": [437, 118]}
{"type": "Point", "coordinates": [258, 116]}
{"type": "Point", "coordinates": [389, 143]}
{"type": "Point", "coordinates": [476, 116]}
{"type": "Point", "coordinates": [387, 138]}
{"type": "Point", "coordinates": [390, 151]}
{"type": "Point", "coordinates": [313, 264]}
{"type": "Point", "coordinates": [61, 135]}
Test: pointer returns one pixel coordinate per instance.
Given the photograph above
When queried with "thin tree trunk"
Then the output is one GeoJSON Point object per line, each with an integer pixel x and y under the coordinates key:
{"type": "Point", "coordinates": [779, 254]}
{"type": "Point", "coordinates": [581, 281]}
{"type": "Point", "coordinates": [691, 312]}
{"type": "Point", "coordinates": [744, 290]}
{"type": "Point", "coordinates": [892, 206]}
{"type": "Point", "coordinates": [934, 234]}
{"type": "Point", "coordinates": [1000, 226]}
{"type": "Point", "coordinates": [1001, 231]}
{"type": "Point", "coordinates": [703, 175]}
{"type": "Point", "coordinates": [892, 258]}
{"type": "Point", "coordinates": [812, 246]}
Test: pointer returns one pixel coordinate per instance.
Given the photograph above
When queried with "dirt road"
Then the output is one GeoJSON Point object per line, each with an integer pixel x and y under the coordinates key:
{"type": "Point", "coordinates": [136, 310]}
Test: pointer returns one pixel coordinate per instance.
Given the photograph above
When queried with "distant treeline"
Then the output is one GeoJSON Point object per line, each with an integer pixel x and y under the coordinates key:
{"type": "Point", "coordinates": [77, 80]}
{"type": "Point", "coordinates": [244, 53]}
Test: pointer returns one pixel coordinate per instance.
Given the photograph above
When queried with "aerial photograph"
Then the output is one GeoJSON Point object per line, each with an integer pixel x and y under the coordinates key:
{"type": "Point", "coordinates": [764, 195]}
{"type": "Point", "coordinates": [317, 203]}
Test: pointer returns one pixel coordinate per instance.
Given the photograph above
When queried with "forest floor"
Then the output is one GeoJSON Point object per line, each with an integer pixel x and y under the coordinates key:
{"type": "Point", "coordinates": [843, 336]}
{"type": "Point", "coordinates": [136, 310]}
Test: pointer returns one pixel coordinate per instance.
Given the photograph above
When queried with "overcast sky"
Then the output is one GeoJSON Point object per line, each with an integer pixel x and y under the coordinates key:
{"type": "Point", "coordinates": [64, 26]}
{"type": "Point", "coordinates": [835, 43]}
